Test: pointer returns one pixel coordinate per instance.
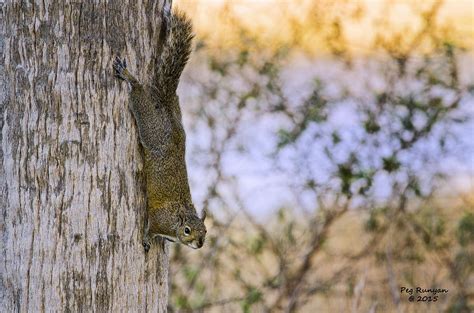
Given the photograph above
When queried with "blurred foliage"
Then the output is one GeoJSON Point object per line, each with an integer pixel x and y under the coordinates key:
{"type": "Point", "coordinates": [466, 229]}
{"type": "Point", "coordinates": [362, 141]}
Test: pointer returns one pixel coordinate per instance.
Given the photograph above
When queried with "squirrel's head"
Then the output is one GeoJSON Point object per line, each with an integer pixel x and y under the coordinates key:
{"type": "Point", "coordinates": [191, 230]}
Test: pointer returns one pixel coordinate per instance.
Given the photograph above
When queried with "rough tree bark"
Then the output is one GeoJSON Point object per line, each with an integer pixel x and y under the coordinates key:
{"type": "Point", "coordinates": [71, 194]}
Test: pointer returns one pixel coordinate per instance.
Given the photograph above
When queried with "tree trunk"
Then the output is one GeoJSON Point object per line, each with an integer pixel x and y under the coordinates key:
{"type": "Point", "coordinates": [72, 196]}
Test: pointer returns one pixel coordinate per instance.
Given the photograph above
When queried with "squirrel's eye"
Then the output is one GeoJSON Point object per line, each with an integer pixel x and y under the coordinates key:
{"type": "Point", "coordinates": [187, 230]}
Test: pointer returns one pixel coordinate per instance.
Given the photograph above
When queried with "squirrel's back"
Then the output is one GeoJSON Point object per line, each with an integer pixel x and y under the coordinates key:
{"type": "Point", "coordinates": [166, 172]}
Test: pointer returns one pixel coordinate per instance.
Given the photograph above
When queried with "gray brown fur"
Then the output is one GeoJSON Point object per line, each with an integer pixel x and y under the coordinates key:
{"type": "Point", "coordinates": [156, 109]}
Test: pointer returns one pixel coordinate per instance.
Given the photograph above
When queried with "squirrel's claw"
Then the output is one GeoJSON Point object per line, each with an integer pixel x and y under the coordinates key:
{"type": "Point", "coordinates": [146, 246]}
{"type": "Point", "coordinates": [146, 241]}
{"type": "Point", "coordinates": [120, 67]}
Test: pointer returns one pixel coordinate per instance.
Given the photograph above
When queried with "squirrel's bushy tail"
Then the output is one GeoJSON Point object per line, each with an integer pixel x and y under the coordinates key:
{"type": "Point", "coordinates": [175, 51]}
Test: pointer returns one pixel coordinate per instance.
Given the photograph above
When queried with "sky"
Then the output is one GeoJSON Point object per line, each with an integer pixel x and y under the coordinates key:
{"type": "Point", "coordinates": [264, 189]}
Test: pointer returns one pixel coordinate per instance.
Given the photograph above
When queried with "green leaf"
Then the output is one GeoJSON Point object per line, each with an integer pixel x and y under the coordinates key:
{"type": "Point", "coordinates": [256, 245]}
{"type": "Point", "coordinates": [182, 302]}
{"type": "Point", "coordinates": [371, 126]}
{"type": "Point", "coordinates": [391, 164]}
{"type": "Point", "coordinates": [253, 296]}
{"type": "Point", "coordinates": [347, 176]}
{"type": "Point", "coordinates": [190, 273]}
{"type": "Point", "coordinates": [372, 223]}
{"type": "Point", "coordinates": [243, 57]}
{"type": "Point", "coordinates": [335, 138]}
{"type": "Point", "coordinates": [465, 231]}
{"type": "Point", "coordinates": [285, 138]}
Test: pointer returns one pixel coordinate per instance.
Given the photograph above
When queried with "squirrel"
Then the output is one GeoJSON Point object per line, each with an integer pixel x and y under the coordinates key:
{"type": "Point", "coordinates": [155, 107]}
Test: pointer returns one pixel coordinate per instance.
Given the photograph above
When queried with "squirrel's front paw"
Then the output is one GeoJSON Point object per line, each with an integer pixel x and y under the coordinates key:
{"type": "Point", "coordinates": [120, 68]}
{"type": "Point", "coordinates": [146, 245]}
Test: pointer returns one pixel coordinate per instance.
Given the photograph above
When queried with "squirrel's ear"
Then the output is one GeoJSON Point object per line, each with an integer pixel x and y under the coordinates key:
{"type": "Point", "coordinates": [204, 214]}
{"type": "Point", "coordinates": [181, 216]}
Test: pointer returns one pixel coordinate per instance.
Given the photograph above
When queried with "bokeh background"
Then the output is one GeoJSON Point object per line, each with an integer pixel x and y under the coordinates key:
{"type": "Point", "coordinates": [332, 144]}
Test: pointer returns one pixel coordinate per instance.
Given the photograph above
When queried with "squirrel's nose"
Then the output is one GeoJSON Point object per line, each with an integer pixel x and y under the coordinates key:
{"type": "Point", "coordinates": [200, 242]}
